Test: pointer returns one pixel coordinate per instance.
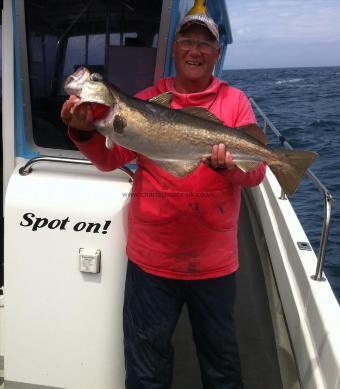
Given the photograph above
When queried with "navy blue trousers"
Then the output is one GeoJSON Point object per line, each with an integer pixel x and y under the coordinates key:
{"type": "Point", "coordinates": [151, 310]}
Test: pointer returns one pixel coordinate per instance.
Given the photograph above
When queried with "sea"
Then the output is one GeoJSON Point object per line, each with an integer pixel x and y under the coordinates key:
{"type": "Point", "coordinates": [304, 105]}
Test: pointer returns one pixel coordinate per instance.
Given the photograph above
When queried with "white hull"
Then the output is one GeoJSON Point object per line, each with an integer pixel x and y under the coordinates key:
{"type": "Point", "coordinates": [310, 308]}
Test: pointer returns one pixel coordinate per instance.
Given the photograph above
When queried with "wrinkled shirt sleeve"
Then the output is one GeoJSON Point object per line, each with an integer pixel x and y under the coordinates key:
{"type": "Point", "coordinates": [245, 113]}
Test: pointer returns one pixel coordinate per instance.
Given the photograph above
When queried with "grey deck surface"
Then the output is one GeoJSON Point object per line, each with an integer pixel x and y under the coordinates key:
{"type": "Point", "coordinates": [255, 333]}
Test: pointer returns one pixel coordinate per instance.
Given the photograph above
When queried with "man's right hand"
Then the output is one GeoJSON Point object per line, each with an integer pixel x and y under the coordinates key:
{"type": "Point", "coordinates": [79, 117]}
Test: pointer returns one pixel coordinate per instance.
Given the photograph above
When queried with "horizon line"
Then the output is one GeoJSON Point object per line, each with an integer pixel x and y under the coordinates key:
{"type": "Point", "coordinates": [285, 67]}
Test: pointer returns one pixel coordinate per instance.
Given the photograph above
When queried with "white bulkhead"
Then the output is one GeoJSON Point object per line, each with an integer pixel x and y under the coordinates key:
{"type": "Point", "coordinates": [65, 325]}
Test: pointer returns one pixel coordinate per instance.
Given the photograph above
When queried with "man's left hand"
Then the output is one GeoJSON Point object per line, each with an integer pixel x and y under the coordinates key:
{"type": "Point", "coordinates": [220, 158]}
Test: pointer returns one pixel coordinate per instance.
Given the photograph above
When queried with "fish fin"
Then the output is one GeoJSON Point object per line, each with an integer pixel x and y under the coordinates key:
{"type": "Point", "coordinates": [177, 168]}
{"type": "Point", "coordinates": [202, 113]}
{"type": "Point", "coordinates": [246, 166]}
{"type": "Point", "coordinates": [291, 174]}
{"type": "Point", "coordinates": [108, 143]}
{"type": "Point", "coordinates": [255, 132]}
{"type": "Point", "coordinates": [163, 99]}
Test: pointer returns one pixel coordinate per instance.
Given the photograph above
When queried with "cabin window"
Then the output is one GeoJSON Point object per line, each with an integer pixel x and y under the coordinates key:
{"type": "Point", "coordinates": [113, 37]}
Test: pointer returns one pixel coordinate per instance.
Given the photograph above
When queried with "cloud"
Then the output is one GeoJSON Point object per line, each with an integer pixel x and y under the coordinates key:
{"type": "Point", "coordinates": [283, 24]}
{"type": "Point", "coordinates": [285, 19]}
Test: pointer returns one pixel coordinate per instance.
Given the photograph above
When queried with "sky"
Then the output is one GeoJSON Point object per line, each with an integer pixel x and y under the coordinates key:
{"type": "Point", "coordinates": [283, 33]}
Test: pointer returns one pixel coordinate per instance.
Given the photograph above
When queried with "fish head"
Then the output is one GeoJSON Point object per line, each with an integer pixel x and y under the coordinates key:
{"type": "Point", "coordinates": [74, 83]}
{"type": "Point", "coordinates": [90, 87]}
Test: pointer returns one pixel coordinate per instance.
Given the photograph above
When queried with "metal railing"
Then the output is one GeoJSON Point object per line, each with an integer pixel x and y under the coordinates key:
{"type": "Point", "coordinates": [27, 168]}
{"type": "Point", "coordinates": [326, 195]}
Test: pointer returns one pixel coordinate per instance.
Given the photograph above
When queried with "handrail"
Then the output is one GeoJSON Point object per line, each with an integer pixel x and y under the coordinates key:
{"type": "Point", "coordinates": [326, 194]}
{"type": "Point", "coordinates": [27, 168]}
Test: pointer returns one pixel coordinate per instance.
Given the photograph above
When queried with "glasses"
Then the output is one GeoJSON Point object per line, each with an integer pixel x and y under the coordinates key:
{"type": "Point", "coordinates": [205, 47]}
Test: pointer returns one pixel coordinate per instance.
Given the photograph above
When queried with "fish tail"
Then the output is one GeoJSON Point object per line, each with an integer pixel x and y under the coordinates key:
{"type": "Point", "coordinates": [291, 172]}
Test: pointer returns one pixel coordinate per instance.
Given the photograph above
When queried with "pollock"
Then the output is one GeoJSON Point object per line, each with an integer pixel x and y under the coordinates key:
{"type": "Point", "coordinates": [178, 139]}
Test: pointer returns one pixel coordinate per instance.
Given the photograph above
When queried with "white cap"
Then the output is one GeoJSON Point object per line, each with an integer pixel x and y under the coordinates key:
{"type": "Point", "coordinates": [201, 19]}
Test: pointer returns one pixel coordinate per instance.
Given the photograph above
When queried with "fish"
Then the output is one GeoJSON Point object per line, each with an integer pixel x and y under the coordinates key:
{"type": "Point", "coordinates": [178, 140]}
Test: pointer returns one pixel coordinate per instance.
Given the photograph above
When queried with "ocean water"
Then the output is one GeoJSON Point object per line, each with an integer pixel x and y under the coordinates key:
{"type": "Point", "coordinates": [304, 105]}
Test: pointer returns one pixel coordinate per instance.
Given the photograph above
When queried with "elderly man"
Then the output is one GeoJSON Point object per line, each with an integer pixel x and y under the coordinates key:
{"type": "Point", "coordinates": [184, 251]}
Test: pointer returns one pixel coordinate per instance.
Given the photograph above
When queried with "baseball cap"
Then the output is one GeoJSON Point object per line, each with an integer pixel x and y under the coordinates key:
{"type": "Point", "coordinates": [201, 19]}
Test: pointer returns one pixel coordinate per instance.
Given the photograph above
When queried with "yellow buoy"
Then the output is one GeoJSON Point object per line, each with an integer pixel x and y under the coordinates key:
{"type": "Point", "coordinates": [198, 8]}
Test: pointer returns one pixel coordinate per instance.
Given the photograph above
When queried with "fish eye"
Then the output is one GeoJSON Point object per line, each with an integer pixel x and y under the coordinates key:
{"type": "Point", "coordinates": [96, 77]}
{"type": "Point", "coordinates": [70, 78]}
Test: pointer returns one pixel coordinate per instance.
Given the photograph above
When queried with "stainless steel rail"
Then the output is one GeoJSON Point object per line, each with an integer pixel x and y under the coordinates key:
{"type": "Point", "coordinates": [27, 168]}
{"type": "Point", "coordinates": [326, 195]}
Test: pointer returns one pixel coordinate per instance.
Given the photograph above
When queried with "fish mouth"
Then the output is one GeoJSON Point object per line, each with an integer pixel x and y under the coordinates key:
{"type": "Point", "coordinates": [74, 83]}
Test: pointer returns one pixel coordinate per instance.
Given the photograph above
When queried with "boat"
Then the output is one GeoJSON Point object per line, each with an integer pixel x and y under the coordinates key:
{"type": "Point", "coordinates": [65, 222]}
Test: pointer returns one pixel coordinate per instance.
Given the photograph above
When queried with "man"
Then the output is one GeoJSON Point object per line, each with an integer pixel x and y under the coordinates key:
{"type": "Point", "coordinates": [182, 242]}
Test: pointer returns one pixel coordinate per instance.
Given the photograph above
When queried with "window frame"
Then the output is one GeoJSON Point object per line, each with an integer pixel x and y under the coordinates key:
{"type": "Point", "coordinates": [25, 145]}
